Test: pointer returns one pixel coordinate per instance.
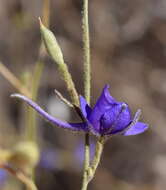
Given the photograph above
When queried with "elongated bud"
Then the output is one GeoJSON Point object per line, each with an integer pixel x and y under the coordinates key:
{"type": "Point", "coordinates": [55, 52]}
{"type": "Point", "coordinates": [51, 44]}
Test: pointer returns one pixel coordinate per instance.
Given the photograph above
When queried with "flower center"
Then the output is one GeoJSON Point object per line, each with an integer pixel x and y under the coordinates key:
{"type": "Point", "coordinates": [111, 118]}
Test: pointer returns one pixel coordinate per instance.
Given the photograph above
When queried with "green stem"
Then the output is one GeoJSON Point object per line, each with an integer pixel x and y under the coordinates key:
{"type": "Point", "coordinates": [31, 130]}
{"type": "Point", "coordinates": [84, 184]}
{"type": "Point", "coordinates": [86, 48]}
{"type": "Point", "coordinates": [97, 157]}
{"type": "Point", "coordinates": [39, 66]}
{"type": "Point", "coordinates": [90, 170]}
{"type": "Point", "coordinates": [87, 81]}
{"type": "Point", "coordinates": [63, 69]}
{"type": "Point", "coordinates": [86, 163]}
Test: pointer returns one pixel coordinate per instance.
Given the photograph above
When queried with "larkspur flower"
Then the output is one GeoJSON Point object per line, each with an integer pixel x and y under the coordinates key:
{"type": "Point", "coordinates": [108, 117]}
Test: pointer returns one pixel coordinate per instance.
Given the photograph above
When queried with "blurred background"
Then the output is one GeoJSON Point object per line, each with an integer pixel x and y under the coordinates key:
{"type": "Point", "coordinates": [128, 48]}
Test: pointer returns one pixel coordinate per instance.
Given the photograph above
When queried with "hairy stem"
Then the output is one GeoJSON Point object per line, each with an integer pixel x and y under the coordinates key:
{"type": "Point", "coordinates": [97, 157]}
{"type": "Point", "coordinates": [86, 163]}
{"type": "Point", "coordinates": [63, 69]}
{"type": "Point", "coordinates": [87, 80]}
{"type": "Point", "coordinates": [86, 48]}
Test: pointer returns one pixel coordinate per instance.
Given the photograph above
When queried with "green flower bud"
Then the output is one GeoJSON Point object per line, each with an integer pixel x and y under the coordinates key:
{"type": "Point", "coordinates": [51, 44]}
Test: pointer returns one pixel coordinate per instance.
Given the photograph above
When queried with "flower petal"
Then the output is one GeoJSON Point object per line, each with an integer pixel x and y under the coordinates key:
{"type": "Point", "coordinates": [122, 120]}
{"type": "Point", "coordinates": [123, 129]}
{"type": "Point", "coordinates": [86, 111]}
{"type": "Point", "coordinates": [51, 119]}
{"type": "Point", "coordinates": [104, 103]}
{"type": "Point", "coordinates": [85, 108]}
{"type": "Point", "coordinates": [136, 129]}
{"type": "Point", "coordinates": [105, 99]}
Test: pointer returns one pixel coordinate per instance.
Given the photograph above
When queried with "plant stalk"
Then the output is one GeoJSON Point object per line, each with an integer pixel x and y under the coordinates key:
{"type": "Point", "coordinates": [97, 157]}
{"type": "Point", "coordinates": [87, 81]}
{"type": "Point", "coordinates": [86, 49]}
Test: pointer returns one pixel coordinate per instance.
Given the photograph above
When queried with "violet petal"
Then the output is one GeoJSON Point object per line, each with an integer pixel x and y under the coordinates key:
{"type": "Point", "coordinates": [122, 120]}
{"type": "Point", "coordinates": [104, 103]}
{"type": "Point", "coordinates": [136, 129]}
{"type": "Point", "coordinates": [85, 108]}
{"type": "Point", "coordinates": [51, 119]}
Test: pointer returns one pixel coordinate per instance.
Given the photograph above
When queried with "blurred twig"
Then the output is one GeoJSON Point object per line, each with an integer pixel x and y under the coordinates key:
{"type": "Point", "coordinates": [14, 81]}
{"type": "Point", "coordinates": [31, 116]}
{"type": "Point", "coordinates": [46, 13]}
{"type": "Point", "coordinates": [39, 67]}
{"type": "Point", "coordinates": [21, 176]}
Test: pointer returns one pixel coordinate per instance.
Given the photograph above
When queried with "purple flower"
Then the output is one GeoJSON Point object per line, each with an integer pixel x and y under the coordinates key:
{"type": "Point", "coordinates": [108, 117]}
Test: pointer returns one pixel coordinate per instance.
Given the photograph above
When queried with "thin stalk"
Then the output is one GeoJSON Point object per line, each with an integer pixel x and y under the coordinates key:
{"type": "Point", "coordinates": [14, 81]}
{"type": "Point", "coordinates": [86, 163]}
{"type": "Point", "coordinates": [31, 129]}
{"type": "Point", "coordinates": [31, 132]}
{"type": "Point", "coordinates": [87, 80]}
{"type": "Point", "coordinates": [63, 99]}
{"type": "Point", "coordinates": [46, 13]}
{"type": "Point", "coordinates": [21, 176]}
{"type": "Point", "coordinates": [66, 76]}
{"type": "Point", "coordinates": [39, 67]}
{"type": "Point", "coordinates": [86, 48]}
{"type": "Point", "coordinates": [90, 172]}
{"type": "Point", "coordinates": [97, 157]}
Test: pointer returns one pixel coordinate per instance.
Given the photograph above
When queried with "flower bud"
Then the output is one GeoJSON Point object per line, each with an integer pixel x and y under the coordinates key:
{"type": "Point", "coordinates": [51, 44]}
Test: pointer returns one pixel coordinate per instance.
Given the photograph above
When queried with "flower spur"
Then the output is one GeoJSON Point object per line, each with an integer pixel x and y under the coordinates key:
{"type": "Point", "coordinates": [108, 117]}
